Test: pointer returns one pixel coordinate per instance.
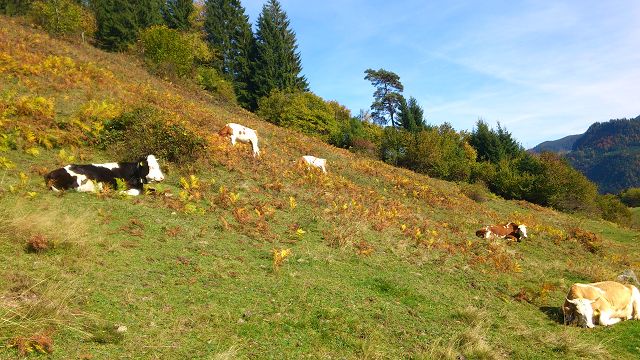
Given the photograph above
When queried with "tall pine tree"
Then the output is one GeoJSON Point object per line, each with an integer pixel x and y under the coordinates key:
{"type": "Point", "coordinates": [118, 21]}
{"type": "Point", "coordinates": [387, 99]}
{"type": "Point", "coordinates": [278, 63]}
{"type": "Point", "coordinates": [176, 14]}
{"type": "Point", "coordinates": [229, 32]}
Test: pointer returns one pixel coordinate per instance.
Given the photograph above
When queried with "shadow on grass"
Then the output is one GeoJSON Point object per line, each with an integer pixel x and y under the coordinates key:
{"type": "Point", "coordinates": [553, 313]}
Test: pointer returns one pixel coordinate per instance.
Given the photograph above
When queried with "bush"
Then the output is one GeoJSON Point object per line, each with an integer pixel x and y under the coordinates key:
{"type": "Point", "coordinates": [210, 80]}
{"type": "Point", "coordinates": [62, 17]}
{"type": "Point", "coordinates": [590, 241]}
{"type": "Point", "coordinates": [631, 197]}
{"type": "Point", "coordinates": [302, 111]}
{"type": "Point", "coordinates": [439, 152]}
{"type": "Point", "coordinates": [477, 192]}
{"type": "Point", "coordinates": [170, 52]}
{"type": "Point", "coordinates": [612, 209]}
{"type": "Point", "coordinates": [145, 131]}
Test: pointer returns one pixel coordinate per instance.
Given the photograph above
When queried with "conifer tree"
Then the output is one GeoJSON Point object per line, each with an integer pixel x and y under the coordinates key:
{"type": "Point", "coordinates": [118, 21]}
{"type": "Point", "coordinates": [176, 14]}
{"type": "Point", "coordinates": [387, 99]}
{"type": "Point", "coordinates": [229, 32]}
{"type": "Point", "coordinates": [278, 64]}
{"type": "Point", "coordinates": [411, 115]}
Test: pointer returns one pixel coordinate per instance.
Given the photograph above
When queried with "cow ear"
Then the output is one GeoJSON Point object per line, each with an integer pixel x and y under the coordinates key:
{"type": "Point", "coordinates": [574, 301]}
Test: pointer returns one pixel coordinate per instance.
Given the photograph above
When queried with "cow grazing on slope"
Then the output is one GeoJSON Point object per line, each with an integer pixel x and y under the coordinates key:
{"type": "Point", "coordinates": [608, 302]}
{"type": "Point", "coordinates": [315, 162]}
{"type": "Point", "coordinates": [237, 132]}
{"type": "Point", "coordinates": [90, 178]}
{"type": "Point", "coordinates": [510, 230]}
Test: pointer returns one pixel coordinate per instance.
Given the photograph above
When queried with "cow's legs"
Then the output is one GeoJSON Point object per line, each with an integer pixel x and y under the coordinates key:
{"type": "Point", "coordinates": [606, 319]}
{"type": "Point", "coordinates": [254, 146]}
{"type": "Point", "coordinates": [233, 139]}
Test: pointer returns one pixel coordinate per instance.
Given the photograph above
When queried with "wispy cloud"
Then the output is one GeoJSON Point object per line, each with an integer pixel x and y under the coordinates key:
{"type": "Point", "coordinates": [543, 69]}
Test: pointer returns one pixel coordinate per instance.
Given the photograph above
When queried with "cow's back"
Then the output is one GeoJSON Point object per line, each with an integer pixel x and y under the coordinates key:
{"type": "Point", "coordinates": [617, 295]}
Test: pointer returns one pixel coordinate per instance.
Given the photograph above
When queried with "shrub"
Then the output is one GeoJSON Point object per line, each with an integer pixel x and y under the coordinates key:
{"type": "Point", "coordinates": [612, 209]}
{"type": "Point", "coordinates": [170, 52]}
{"type": "Point", "coordinates": [349, 131]}
{"type": "Point", "coordinates": [436, 151]}
{"type": "Point", "coordinates": [477, 192]}
{"type": "Point", "coordinates": [590, 241]}
{"type": "Point", "coordinates": [303, 111]}
{"type": "Point", "coordinates": [38, 243]}
{"type": "Point", "coordinates": [145, 131]}
{"type": "Point", "coordinates": [631, 197]}
{"type": "Point", "coordinates": [210, 80]}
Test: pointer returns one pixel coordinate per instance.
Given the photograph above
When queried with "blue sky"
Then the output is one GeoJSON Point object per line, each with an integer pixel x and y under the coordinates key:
{"type": "Point", "coordinates": [543, 69]}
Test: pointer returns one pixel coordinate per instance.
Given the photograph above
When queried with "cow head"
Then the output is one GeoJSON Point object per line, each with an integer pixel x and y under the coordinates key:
{"type": "Point", "coordinates": [522, 229]}
{"type": "Point", "coordinates": [583, 312]}
{"type": "Point", "coordinates": [154, 173]}
{"type": "Point", "coordinates": [225, 131]}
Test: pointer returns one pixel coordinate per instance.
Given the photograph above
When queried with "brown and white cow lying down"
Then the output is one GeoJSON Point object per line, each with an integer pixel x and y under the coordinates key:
{"type": "Point", "coordinates": [608, 302]}
{"type": "Point", "coordinates": [510, 230]}
{"type": "Point", "coordinates": [242, 134]}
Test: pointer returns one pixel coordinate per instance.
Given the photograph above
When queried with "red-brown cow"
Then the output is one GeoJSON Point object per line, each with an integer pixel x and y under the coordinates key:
{"type": "Point", "coordinates": [510, 231]}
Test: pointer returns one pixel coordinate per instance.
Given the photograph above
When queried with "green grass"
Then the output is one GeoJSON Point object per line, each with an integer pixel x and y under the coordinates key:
{"type": "Point", "coordinates": [195, 278]}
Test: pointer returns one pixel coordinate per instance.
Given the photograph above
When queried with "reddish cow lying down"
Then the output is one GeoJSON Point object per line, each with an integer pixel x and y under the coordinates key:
{"type": "Point", "coordinates": [89, 178]}
{"type": "Point", "coordinates": [242, 134]}
{"type": "Point", "coordinates": [510, 231]}
{"type": "Point", "coordinates": [607, 302]}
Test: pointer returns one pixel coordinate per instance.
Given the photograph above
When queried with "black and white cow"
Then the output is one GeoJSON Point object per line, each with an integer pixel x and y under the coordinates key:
{"type": "Point", "coordinates": [91, 177]}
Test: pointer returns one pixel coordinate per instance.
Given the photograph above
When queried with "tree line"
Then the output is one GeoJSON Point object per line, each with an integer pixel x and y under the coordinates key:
{"type": "Point", "coordinates": [213, 44]}
{"type": "Point", "coordinates": [253, 63]}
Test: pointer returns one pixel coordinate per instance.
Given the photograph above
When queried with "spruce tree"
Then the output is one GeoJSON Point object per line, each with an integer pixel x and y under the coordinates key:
{"type": "Point", "coordinates": [229, 32]}
{"type": "Point", "coordinates": [406, 116]}
{"type": "Point", "coordinates": [118, 21]}
{"type": "Point", "coordinates": [278, 64]}
{"type": "Point", "coordinates": [176, 14]}
{"type": "Point", "coordinates": [411, 115]}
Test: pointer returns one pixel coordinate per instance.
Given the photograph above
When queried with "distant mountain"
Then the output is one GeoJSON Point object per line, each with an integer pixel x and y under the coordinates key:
{"type": "Point", "coordinates": [608, 153]}
{"type": "Point", "coordinates": [561, 146]}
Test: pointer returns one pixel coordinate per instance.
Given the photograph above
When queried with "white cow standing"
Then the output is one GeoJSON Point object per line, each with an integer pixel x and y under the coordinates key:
{"type": "Point", "coordinates": [316, 162]}
{"type": "Point", "coordinates": [237, 132]}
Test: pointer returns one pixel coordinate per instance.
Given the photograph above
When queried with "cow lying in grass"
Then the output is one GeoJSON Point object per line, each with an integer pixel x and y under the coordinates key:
{"type": "Point", "coordinates": [510, 231]}
{"type": "Point", "coordinates": [90, 178]}
{"type": "Point", "coordinates": [608, 302]}
{"type": "Point", "coordinates": [237, 132]}
{"type": "Point", "coordinates": [315, 162]}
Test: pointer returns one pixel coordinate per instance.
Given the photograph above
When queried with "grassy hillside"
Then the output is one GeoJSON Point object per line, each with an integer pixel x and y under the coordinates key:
{"type": "Point", "coordinates": [383, 262]}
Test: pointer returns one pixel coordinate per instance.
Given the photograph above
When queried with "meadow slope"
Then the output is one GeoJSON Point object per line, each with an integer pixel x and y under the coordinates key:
{"type": "Point", "coordinates": [383, 262]}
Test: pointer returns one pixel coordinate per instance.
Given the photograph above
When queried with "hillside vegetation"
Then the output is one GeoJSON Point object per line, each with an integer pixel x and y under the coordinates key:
{"type": "Point", "coordinates": [236, 257]}
{"type": "Point", "coordinates": [562, 145]}
{"type": "Point", "coordinates": [608, 154]}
